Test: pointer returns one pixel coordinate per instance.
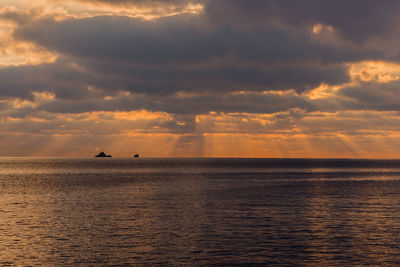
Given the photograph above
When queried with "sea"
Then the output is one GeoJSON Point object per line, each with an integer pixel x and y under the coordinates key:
{"type": "Point", "coordinates": [199, 212]}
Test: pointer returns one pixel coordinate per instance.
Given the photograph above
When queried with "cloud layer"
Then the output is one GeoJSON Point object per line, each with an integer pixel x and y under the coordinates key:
{"type": "Point", "coordinates": [289, 68]}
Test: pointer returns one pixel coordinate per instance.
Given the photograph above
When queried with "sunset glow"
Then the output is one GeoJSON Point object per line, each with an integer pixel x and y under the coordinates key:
{"type": "Point", "coordinates": [195, 79]}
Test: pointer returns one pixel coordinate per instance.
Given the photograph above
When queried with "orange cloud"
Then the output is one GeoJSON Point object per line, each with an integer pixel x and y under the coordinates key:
{"type": "Point", "coordinates": [139, 9]}
{"type": "Point", "coordinates": [375, 71]}
{"type": "Point", "coordinates": [295, 134]}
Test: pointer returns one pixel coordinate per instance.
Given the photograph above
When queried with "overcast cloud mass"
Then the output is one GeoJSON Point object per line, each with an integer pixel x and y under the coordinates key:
{"type": "Point", "coordinates": [260, 78]}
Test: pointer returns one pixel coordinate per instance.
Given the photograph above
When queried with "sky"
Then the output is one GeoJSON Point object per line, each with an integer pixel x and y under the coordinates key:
{"type": "Point", "coordinates": [200, 78]}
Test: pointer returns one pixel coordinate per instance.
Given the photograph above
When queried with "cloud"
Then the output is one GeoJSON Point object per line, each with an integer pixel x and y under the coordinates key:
{"type": "Point", "coordinates": [175, 54]}
{"type": "Point", "coordinates": [283, 70]}
{"type": "Point", "coordinates": [103, 56]}
{"type": "Point", "coordinates": [373, 96]}
{"type": "Point", "coordinates": [142, 3]}
{"type": "Point", "coordinates": [357, 20]}
{"type": "Point", "coordinates": [180, 39]}
{"type": "Point", "coordinates": [170, 5]}
{"type": "Point", "coordinates": [144, 9]}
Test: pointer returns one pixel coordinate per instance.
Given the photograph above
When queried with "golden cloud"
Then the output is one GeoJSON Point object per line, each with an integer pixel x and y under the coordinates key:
{"type": "Point", "coordinates": [375, 71]}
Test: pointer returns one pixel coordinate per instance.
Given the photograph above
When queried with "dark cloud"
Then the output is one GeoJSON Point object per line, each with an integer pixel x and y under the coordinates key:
{"type": "Point", "coordinates": [61, 78]}
{"type": "Point", "coordinates": [69, 80]}
{"type": "Point", "coordinates": [356, 20]}
{"type": "Point", "coordinates": [174, 54]}
{"type": "Point", "coordinates": [373, 96]}
{"type": "Point", "coordinates": [180, 39]}
{"type": "Point", "coordinates": [193, 64]}
{"type": "Point", "coordinates": [357, 98]}
{"type": "Point", "coordinates": [242, 103]}
{"type": "Point", "coordinates": [192, 105]}
{"type": "Point", "coordinates": [224, 78]}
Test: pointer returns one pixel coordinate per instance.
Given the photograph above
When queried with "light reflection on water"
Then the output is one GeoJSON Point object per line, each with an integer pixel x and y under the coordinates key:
{"type": "Point", "coordinates": [216, 211]}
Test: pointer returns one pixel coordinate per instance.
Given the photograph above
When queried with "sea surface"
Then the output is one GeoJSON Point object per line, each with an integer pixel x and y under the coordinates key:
{"type": "Point", "coordinates": [283, 212]}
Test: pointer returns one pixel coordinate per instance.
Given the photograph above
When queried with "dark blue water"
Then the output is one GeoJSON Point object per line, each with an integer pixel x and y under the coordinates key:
{"type": "Point", "coordinates": [199, 212]}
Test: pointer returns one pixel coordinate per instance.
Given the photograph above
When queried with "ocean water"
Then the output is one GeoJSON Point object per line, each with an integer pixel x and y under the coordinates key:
{"type": "Point", "coordinates": [199, 212]}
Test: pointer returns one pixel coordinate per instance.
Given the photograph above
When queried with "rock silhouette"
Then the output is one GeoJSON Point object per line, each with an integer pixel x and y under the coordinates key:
{"type": "Point", "coordinates": [102, 155]}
